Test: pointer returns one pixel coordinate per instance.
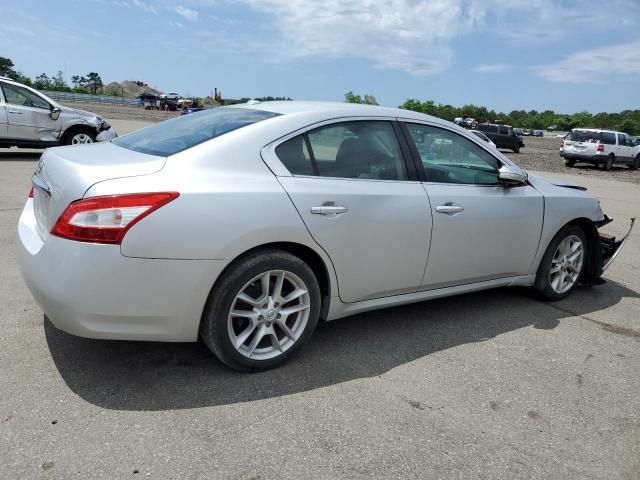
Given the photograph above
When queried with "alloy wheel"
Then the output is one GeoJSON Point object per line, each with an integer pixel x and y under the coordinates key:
{"type": "Point", "coordinates": [269, 315]}
{"type": "Point", "coordinates": [80, 138]}
{"type": "Point", "coordinates": [566, 264]}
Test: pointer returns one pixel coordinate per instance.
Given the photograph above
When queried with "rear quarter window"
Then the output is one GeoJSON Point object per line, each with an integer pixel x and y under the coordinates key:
{"type": "Point", "coordinates": [178, 134]}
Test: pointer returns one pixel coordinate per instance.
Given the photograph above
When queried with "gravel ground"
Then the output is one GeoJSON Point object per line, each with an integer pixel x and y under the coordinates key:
{"type": "Point", "coordinates": [542, 154]}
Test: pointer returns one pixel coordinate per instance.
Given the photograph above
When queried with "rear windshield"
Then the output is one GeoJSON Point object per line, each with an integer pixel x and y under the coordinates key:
{"type": "Point", "coordinates": [592, 137]}
{"type": "Point", "coordinates": [178, 134]}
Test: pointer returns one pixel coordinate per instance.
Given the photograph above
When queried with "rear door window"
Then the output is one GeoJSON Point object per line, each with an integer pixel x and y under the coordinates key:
{"type": "Point", "coordinates": [178, 134]}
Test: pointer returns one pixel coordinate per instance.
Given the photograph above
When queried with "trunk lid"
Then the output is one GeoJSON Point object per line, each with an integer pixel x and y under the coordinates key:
{"type": "Point", "coordinates": [68, 172]}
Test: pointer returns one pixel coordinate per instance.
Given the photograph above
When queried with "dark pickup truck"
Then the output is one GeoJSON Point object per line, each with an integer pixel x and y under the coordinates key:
{"type": "Point", "coordinates": [502, 135]}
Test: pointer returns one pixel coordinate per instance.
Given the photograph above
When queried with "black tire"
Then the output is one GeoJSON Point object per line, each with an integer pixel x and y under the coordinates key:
{"type": "Point", "coordinates": [516, 149]}
{"type": "Point", "coordinates": [74, 133]}
{"type": "Point", "coordinates": [214, 329]}
{"type": "Point", "coordinates": [608, 165]}
{"type": "Point", "coordinates": [570, 163]}
{"type": "Point", "coordinates": [543, 276]}
{"type": "Point", "coordinates": [635, 164]}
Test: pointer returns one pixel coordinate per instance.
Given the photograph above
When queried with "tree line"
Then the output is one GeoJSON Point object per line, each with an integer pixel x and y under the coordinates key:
{"type": "Point", "coordinates": [89, 83]}
{"type": "Point", "coordinates": [627, 121]}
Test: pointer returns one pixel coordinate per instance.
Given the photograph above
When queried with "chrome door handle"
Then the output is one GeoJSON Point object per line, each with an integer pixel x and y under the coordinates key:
{"type": "Point", "coordinates": [329, 210]}
{"type": "Point", "coordinates": [16, 112]}
{"type": "Point", "coordinates": [449, 209]}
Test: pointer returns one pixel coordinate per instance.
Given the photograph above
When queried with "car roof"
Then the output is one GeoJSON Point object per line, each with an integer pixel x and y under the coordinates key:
{"type": "Point", "coordinates": [596, 130]}
{"type": "Point", "coordinates": [338, 109]}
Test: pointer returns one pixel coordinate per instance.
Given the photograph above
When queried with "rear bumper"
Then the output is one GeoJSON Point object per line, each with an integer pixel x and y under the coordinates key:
{"type": "Point", "coordinates": [595, 159]}
{"type": "Point", "coordinates": [93, 291]}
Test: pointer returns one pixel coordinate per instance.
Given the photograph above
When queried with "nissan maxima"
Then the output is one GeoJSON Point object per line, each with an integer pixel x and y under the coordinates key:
{"type": "Point", "coordinates": [246, 225]}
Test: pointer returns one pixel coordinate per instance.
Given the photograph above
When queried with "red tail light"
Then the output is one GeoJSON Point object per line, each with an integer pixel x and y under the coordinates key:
{"type": "Point", "coordinates": [562, 144]}
{"type": "Point", "coordinates": [107, 219]}
{"type": "Point", "coordinates": [601, 147]}
{"type": "Point", "coordinates": [31, 193]}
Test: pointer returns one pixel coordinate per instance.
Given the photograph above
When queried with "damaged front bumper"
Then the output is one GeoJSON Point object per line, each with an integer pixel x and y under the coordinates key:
{"type": "Point", "coordinates": [107, 135]}
{"type": "Point", "coordinates": [609, 245]}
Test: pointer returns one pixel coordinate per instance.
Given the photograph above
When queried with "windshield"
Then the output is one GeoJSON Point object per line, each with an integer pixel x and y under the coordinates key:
{"type": "Point", "coordinates": [178, 134]}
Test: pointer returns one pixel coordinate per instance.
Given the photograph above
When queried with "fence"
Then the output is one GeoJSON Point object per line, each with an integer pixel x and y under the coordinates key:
{"type": "Point", "coordinates": [88, 98]}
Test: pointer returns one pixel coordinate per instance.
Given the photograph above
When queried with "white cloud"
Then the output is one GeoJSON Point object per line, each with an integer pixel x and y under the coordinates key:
{"type": "Point", "coordinates": [595, 65]}
{"type": "Point", "coordinates": [187, 13]}
{"type": "Point", "coordinates": [398, 34]}
{"type": "Point", "coordinates": [491, 68]}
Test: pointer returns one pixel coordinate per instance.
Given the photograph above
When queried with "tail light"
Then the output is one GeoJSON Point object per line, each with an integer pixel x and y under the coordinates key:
{"type": "Point", "coordinates": [601, 147]}
{"type": "Point", "coordinates": [31, 193]}
{"type": "Point", "coordinates": [561, 143]}
{"type": "Point", "coordinates": [107, 219]}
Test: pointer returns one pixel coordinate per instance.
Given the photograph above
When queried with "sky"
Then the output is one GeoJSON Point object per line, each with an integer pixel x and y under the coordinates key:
{"type": "Point", "coordinates": [563, 55]}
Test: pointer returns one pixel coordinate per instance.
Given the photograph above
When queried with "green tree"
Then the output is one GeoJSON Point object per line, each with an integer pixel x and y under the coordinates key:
{"type": "Point", "coordinates": [42, 82]}
{"type": "Point", "coordinates": [351, 97]}
{"type": "Point", "coordinates": [94, 82]}
{"type": "Point", "coordinates": [6, 67]}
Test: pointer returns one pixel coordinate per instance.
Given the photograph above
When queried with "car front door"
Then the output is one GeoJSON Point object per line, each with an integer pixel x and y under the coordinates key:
{"type": "Point", "coordinates": [482, 230]}
{"type": "Point", "coordinates": [625, 150]}
{"type": "Point", "coordinates": [3, 117]}
{"type": "Point", "coordinates": [29, 116]}
{"type": "Point", "coordinates": [354, 187]}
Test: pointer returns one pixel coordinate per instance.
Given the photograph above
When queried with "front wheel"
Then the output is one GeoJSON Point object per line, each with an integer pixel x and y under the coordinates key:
{"type": "Point", "coordinates": [516, 149]}
{"type": "Point", "coordinates": [636, 163]}
{"type": "Point", "coordinates": [79, 137]}
{"type": "Point", "coordinates": [562, 264]}
{"type": "Point", "coordinates": [263, 310]}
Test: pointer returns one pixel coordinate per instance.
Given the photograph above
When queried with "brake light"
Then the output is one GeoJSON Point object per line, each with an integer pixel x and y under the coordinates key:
{"type": "Point", "coordinates": [561, 143]}
{"type": "Point", "coordinates": [107, 219]}
{"type": "Point", "coordinates": [601, 147]}
{"type": "Point", "coordinates": [31, 193]}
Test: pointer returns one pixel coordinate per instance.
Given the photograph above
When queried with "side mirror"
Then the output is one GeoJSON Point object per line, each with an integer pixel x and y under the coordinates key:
{"type": "Point", "coordinates": [511, 177]}
{"type": "Point", "coordinates": [55, 113]}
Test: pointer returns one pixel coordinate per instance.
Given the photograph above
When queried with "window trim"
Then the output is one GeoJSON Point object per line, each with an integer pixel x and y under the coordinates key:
{"type": "Point", "coordinates": [268, 152]}
{"type": "Point", "coordinates": [417, 160]}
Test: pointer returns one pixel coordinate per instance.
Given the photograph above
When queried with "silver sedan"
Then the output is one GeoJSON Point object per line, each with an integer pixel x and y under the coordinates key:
{"type": "Point", "coordinates": [246, 225]}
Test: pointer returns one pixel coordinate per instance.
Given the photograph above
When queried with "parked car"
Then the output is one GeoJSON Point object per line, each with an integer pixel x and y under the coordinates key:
{"type": "Point", "coordinates": [483, 137]}
{"type": "Point", "coordinates": [603, 148]}
{"type": "Point", "coordinates": [32, 120]}
{"type": "Point", "coordinates": [537, 133]}
{"type": "Point", "coordinates": [188, 110]}
{"type": "Point", "coordinates": [245, 225]}
{"type": "Point", "coordinates": [502, 135]}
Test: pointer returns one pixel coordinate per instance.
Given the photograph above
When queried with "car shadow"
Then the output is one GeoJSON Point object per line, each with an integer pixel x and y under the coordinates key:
{"type": "Point", "coordinates": [160, 376]}
{"type": "Point", "coordinates": [20, 155]}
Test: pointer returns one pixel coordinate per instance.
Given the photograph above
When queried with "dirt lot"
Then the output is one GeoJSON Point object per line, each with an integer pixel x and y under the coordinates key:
{"type": "Point", "coordinates": [541, 153]}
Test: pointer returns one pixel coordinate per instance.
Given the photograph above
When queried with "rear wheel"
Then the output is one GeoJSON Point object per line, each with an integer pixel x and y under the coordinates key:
{"type": "Point", "coordinates": [562, 264]}
{"type": "Point", "coordinates": [516, 149]}
{"type": "Point", "coordinates": [608, 165]}
{"type": "Point", "coordinates": [263, 310]}
{"type": "Point", "coordinates": [570, 163]}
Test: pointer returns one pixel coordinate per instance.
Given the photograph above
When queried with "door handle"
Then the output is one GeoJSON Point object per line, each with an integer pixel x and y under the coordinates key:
{"type": "Point", "coordinates": [329, 210]}
{"type": "Point", "coordinates": [15, 111]}
{"type": "Point", "coordinates": [449, 208]}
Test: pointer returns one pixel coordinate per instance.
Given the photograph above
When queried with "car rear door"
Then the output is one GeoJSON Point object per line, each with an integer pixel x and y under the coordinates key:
{"type": "Point", "coordinates": [357, 193]}
{"type": "Point", "coordinates": [482, 230]}
{"type": "Point", "coordinates": [29, 116]}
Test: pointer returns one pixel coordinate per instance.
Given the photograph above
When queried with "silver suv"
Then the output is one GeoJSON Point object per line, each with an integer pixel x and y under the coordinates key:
{"type": "Point", "coordinates": [600, 147]}
{"type": "Point", "coordinates": [30, 119]}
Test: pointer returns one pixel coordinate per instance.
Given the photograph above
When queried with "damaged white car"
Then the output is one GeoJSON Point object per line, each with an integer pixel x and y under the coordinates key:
{"type": "Point", "coordinates": [32, 120]}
